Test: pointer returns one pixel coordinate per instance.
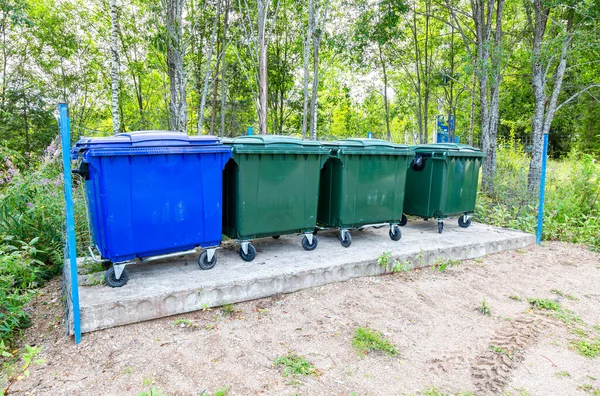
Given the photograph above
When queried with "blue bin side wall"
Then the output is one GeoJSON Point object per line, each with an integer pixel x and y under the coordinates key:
{"type": "Point", "coordinates": [145, 205]}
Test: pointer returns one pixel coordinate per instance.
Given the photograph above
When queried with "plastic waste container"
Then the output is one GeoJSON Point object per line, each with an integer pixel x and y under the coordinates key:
{"type": "Point", "coordinates": [362, 184]}
{"type": "Point", "coordinates": [442, 182]}
{"type": "Point", "coordinates": [151, 194]}
{"type": "Point", "coordinates": [271, 188]}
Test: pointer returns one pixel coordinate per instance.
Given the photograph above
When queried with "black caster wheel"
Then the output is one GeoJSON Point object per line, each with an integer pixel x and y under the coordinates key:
{"type": "Point", "coordinates": [440, 227]}
{"type": "Point", "coordinates": [395, 233]}
{"type": "Point", "coordinates": [426, 218]}
{"type": "Point", "coordinates": [346, 240]}
{"type": "Point", "coordinates": [203, 262]}
{"type": "Point", "coordinates": [403, 221]}
{"type": "Point", "coordinates": [309, 246]}
{"type": "Point", "coordinates": [463, 223]}
{"type": "Point", "coordinates": [250, 255]}
{"type": "Point", "coordinates": [276, 236]}
{"type": "Point", "coordinates": [111, 279]}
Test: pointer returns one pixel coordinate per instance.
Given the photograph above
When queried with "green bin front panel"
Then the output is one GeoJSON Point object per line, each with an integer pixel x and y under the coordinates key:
{"type": "Point", "coordinates": [268, 194]}
{"type": "Point", "coordinates": [359, 189]}
{"type": "Point", "coordinates": [446, 186]}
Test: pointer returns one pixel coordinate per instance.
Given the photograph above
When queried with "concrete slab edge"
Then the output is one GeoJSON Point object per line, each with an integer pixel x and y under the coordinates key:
{"type": "Point", "coordinates": [116, 314]}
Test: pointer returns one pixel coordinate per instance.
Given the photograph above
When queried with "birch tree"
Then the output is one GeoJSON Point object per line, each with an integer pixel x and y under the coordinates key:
{"type": "Point", "coordinates": [114, 70]}
{"type": "Point", "coordinates": [549, 23]}
{"type": "Point", "coordinates": [207, 69]}
{"type": "Point", "coordinates": [172, 14]}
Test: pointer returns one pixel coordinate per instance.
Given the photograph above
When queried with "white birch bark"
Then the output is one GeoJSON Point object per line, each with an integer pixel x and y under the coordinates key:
{"type": "Point", "coordinates": [172, 12]}
{"type": "Point", "coordinates": [207, 69]}
{"type": "Point", "coordinates": [262, 66]}
{"type": "Point", "coordinates": [306, 55]}
{"type": "Point", "coordinates": [114, 69]}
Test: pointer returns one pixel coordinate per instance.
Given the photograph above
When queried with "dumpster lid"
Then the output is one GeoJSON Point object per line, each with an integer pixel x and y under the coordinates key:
{"type": "Point", "coordinates": [368, 143]}
{"type": "Point", "coordinates": [357, 145]}
{"type": "Point", "coordinates": [146, 139]}
{"type": "Point", "coordinates": [450, 149]}
{"type": "Point", "coordinates": [283, 144]}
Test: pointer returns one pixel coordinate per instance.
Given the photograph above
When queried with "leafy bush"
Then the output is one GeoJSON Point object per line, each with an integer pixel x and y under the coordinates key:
{"type": "Point", "coordinates": [19, 275]}
{"type": "Point", "coordinates": [572, 206]}
{"type": "Point", "coordinates": [31, 231]}
{"type": "Point", "coordinates": [32, 207]}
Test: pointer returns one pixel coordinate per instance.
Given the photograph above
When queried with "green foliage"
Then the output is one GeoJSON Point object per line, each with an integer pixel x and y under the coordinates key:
{"type": "Point", "coordinates": [402, 266]}
{"type": "Point", "coordinates": [15, 372]}
{"type": "Point", "coordinates": [294, 365]}
{"type": "Point", "coordinates": [153, 392]}
{"type": "Point", "coordinates": [587, 348]}
{"type": "Point", "coordinates": [572, 206]}
{"type": "Point", "coordinates": [20, 272]}
{"type": "Point", "coordinates": [484, 308]}
{"type": "Point", "coordinates": [384, 260]}
{"type": "Point", "coordinates": [543, 303]}
{"type": "Point", "coordinates": [368, 340]}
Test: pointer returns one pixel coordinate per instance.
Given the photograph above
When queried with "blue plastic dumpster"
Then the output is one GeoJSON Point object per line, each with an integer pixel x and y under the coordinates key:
{"type": "Point", "coordinates": [152, 194]}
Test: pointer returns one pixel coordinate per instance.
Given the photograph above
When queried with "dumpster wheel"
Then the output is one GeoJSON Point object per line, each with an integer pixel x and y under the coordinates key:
{"type": "Point", "coordinates": [203, 262]}
{"type": "Point", "coordinates": [307, 245]}
{"type": "Point", "coordinates": [440, 226]}
{"type": "Point", "coordinates": [345, 238]}
{"type": "Point", "coordinates": [250, 255]}
{"type": "Point", "coordinates": [111, 278]}
{"type": "Point", "coordinates": [464, 221]}
{"type": "Point", "coordinates": [403, 221]}
{"type": "Point", "coordinates": [276, 236]}
{"type": "Point", "coordinates": [395, 233]}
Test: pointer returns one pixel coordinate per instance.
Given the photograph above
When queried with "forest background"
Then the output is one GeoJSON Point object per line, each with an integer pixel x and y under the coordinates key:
{"type": "Point", "coordinates": [505, 71]}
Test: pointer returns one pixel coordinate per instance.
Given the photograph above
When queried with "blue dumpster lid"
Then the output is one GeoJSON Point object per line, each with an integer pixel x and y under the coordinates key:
{"type": "Point", "coordinates": [274, 143]}
{"type": "Point", "coordinates": [146, 139]}
{"type": "Point", "coordinates": [141, 139]}
{"type": "Point", "coordinates": [368, 146]}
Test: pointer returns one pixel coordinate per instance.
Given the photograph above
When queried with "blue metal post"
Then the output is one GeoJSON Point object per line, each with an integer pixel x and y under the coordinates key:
{"type": "Point", "coordinates": [250, 131]}
{"type": "Point", "coordinates": [542, 191]}
{"type": "Point", "coordinates": [369, 135]}
{"type": "Point", "coordinates": [65, 131]}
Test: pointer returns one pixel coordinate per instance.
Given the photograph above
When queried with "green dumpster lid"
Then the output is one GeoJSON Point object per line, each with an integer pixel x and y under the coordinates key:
{"type": "Point", "coordinates": [449, 149]}
{"type": "Point", "coordinates": [368, 146]}
{"type": "Point", "coordinates": [274, 143]}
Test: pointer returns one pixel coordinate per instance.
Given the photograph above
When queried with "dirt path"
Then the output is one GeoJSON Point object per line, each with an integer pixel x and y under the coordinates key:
{"type": "Point", "coordinates": [432, 317]}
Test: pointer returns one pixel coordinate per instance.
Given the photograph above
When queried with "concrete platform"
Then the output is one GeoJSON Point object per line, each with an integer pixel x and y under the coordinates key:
{"type": "Point", "coordinates": [165, 288]}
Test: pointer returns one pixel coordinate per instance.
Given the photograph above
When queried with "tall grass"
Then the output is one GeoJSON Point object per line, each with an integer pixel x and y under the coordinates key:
{"type": "Point", "coordinates": [572, 206]}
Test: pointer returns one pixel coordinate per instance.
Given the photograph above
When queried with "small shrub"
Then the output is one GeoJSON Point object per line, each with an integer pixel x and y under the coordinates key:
{"type": "Point", "coordinates": [484, 308]}
{"type": "Point", "coordinates": [516, 298]}
{"type": "Point", "coordinates": [384, 260]}
{"type": "Point", "coordinates": [402, 266]}
{"type": "Point", "coordinates": [368, 340]}
{"type": "Point", "coordinates": [13, 373]}
{"type": "Point", "coordinates": [294, 365]}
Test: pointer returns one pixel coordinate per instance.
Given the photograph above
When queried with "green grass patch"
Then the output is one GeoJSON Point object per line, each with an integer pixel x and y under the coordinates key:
{"type": "Point", "coordinates": [515, 297]}
{"type": "Point", "coordinates": [586, 347]}
{"type": "Point", "coordinates": [294, 365]}
{"type": "Point", "coordinates": [564, 374]}
{"type": "Point", "coordinates": [368, 340]}
{"type": "Point", "coordinates": [544, 303]}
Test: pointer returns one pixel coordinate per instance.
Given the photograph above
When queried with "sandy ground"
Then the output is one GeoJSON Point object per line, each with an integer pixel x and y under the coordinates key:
{"type": "Point", "coordinates": [431, 317]}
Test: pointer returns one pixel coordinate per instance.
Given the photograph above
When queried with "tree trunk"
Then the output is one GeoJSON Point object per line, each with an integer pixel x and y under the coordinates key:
{"type": "Point", "coordinates": [305, 55]}
{"type": "Point", "coordinates": [207, 72]}
{"type": "Point", "coordinates": [262, 67]}
{"type": "Point", "coordinates": [114, 70]}
{"type": "Point", "coordinates": [175, 55]}
{"type": "Point", "coordinates": [224, 60]}
{"type": "Point", "coordinates": [544, 107]}
{"type": "Point", "coordinates": [385, 95]}
{"type": "Point", "coordinates": [472, 116]}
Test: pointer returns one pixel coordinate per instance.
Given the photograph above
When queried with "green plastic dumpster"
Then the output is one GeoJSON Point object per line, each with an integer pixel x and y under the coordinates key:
{"type": "Point", "coordinates": [362, 184]}
{"type": "Point", "coordinates": [271, 188]}
{"type": "Point", "coordinates": [442, 182]}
